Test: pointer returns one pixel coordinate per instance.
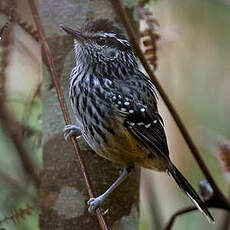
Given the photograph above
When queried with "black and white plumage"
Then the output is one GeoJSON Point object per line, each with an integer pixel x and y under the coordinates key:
{"type": "Point", "coordinates": [115, 106]}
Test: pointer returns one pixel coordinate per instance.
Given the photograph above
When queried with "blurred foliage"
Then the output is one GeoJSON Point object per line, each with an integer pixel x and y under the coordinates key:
{"type": "Point", "coordinates": [193, 55]}
{"type": "Point", "coordinates": [20, 80]}
{"type": "Point", "coordinates": [193, 67]}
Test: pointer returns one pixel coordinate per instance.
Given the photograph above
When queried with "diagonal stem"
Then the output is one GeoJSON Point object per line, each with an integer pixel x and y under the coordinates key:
{"type": "Point", "coordinates": [7, 121]}
{"type": "Point", "coordinates": [178, 213]}
{"type": "Point", "coordinates": [122, 12]}
{"type": "Point", "coordinates": [213, 203]}
{"type": "Point", "coordinates": [61, 100]}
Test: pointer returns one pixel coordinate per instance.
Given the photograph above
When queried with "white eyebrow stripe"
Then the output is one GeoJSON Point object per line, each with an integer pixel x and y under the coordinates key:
{"type": "Point", "coordinates": [109, 35]}
{"type": "Point", "coordinates": [123, 41]}
{"type": "Point", "coordinates": [112, 35]}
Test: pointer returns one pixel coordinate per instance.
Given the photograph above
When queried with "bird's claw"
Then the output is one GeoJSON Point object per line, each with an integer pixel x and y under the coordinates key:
{"type": "Point", "coordinates": [71, 130]}
{"type": "Point", "coordinates": [94, 203]}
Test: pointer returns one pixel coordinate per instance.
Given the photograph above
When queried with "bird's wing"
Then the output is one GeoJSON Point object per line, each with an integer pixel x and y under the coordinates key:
{"type": "Point", "coordinates": [136, 103]}
{"type": "Point", "coordinates": [150, 134]}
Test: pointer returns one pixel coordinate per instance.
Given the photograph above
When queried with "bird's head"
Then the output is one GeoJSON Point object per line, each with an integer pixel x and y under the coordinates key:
{"type": "Point", "coordinates": [101, 42]}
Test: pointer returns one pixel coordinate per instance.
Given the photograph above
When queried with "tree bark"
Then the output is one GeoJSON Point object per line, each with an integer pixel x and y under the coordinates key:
{"type": "Point", "coordinates": [63, 194]}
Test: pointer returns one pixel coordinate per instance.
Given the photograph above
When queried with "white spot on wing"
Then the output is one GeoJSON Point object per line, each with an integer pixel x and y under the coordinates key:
{"type": "Point", "coordinates": [142, 110]}
{"type": "Point", "coordinates": [140, 123]}
{"type": "Point", "coordinates": [131, 111]}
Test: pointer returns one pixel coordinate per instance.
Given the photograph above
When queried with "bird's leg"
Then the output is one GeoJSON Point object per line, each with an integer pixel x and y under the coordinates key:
{"type": "Point", "coordinates": [71, 130]}
{"type": "Point", "coordinates": [94, 203]}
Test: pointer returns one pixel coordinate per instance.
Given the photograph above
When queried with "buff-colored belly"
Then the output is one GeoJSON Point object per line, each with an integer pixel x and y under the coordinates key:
{"type": "Point", "coordinates": [124, 149]}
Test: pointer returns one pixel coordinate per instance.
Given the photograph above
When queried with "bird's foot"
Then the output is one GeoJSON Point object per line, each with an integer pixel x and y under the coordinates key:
{"type": "Point", "coordinates": [94, 203]}
{"type": "Point", "coordinates": [71, 130]}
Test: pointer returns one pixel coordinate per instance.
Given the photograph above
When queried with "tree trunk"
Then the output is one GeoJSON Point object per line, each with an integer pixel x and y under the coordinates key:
{"type": "Point", "coordinates": [63, 193]}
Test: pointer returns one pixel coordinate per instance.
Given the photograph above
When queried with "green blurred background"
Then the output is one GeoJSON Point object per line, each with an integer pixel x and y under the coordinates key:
{"type": "Point", "coordinates": [193, 67]}
{"type": "Point", "coordinates": [194, 56]}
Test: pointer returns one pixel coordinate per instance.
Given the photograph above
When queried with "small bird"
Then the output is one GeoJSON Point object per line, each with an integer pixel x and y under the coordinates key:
{"type": "Point", "coordinates": [115, 106]}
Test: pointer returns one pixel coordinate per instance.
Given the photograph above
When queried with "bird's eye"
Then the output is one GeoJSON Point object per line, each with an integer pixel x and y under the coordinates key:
{"type": "Point", "coordinates": [100, 41]}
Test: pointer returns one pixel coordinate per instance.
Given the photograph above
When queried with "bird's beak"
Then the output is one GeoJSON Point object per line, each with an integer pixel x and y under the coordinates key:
{"type": "Point", "coordinates": [75, 33]}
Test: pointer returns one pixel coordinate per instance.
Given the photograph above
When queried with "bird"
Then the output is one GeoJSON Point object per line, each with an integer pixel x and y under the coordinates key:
{"type": "Point", "coordinates": [115, 106]}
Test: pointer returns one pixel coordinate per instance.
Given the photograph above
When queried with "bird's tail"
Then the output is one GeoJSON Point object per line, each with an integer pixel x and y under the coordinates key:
{"type": "Point", "coordinates": [190, 192]}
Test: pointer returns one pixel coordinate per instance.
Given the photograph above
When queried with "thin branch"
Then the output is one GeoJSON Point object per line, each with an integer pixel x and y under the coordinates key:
{"type": "Point", "coordinates": [61, 100]}
{"type": "Point", "coordinates": [122, 12]}
{"type": "Point", "coordinates": [7, 122]}
{"type": "Point", "coordinates": [7, 10]}
{"type": "Point", "coordinates": [178, 213]}
{"type": "Point", "coordinates": [7, 41]}
{"type": "Point", "coordinates": [212, 203]}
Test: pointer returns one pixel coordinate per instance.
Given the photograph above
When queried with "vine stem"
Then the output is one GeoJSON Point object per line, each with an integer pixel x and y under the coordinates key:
{"type": "Point", "coordinates": [63, 106]}
{"type": "Point", "coordinates": [194, 150]}
{"type": "Point", "coordinates": [11, 12]}
{"type": "Point", "coordinates": [7, 120]}
{"type": "Point", "coordinates": [220, 200]}
{"type": "Point", "coordinates": [212, 203]}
